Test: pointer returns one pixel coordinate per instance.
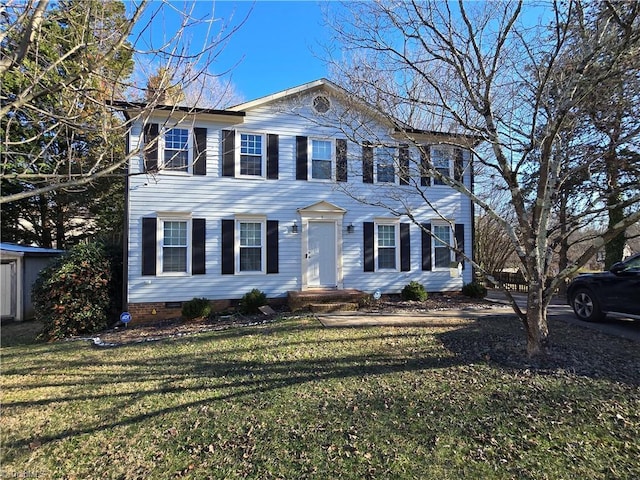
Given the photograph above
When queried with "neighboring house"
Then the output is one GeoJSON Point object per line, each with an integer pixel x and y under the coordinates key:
{"type": "Point", "coordinates": [20, 268]}
{"type": "Point", "coordinates": [279, 194]}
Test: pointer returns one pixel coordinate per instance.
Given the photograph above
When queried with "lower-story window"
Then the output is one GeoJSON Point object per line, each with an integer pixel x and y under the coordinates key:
{"type": "Point", "coordinates": [251, 245]}
{"type": "Point", "coordinates": [441, 243]}
{"type": "Point", "coordinates": [386, 247]}
{"type": "Point", "coordinates": [175, 246]}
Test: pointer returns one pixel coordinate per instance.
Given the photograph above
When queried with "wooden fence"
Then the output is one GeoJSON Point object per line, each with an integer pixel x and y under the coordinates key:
{"type": "Point", "coordinates": [513, 281]}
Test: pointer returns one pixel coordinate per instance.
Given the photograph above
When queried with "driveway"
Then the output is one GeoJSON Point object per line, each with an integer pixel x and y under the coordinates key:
{"type": "Point", "coordinates": [558, 310]}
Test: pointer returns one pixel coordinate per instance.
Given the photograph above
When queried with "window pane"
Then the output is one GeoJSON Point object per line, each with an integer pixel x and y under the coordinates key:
{"type": "Point", "coordinates": [174, 259]}
{"type": "Point", "coordinates": [250, 165]}
{"type": "Point", "coordinates": [175, 234]}
{"type": "Point", "coordinates": [386, 236]}
{"type": "Point", "coordinates": [321, 169]}
{"type": "Point", "coordinates": [321, 149]}
{"type": "Point", "coordinates": [443, 235]}
{"type": "Point", "coordinates": [386, 173]}
{"type": "Point", "coordinates": [250, 234]}
{"type": "Point", "coordinates": [176, 159]}
{"type": "Point", "coordinates": [250, 259]}
{"type": "Point", "coordinates": [177, 139]}
{"type": "Point", "coordinates": [443, 257]}
{"type": "Point", "coordinates": [251, 144]}
{"type": "Point", "coordinates": [387, 258]}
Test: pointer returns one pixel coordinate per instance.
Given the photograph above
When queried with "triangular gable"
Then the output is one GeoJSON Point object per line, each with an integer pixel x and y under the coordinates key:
{"type": "Point", "coordinates": [322, 207]}
{"type": "Point", "coordinates": [328, 86]}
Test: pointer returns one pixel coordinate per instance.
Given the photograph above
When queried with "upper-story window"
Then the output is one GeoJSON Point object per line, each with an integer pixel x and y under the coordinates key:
{"type": "Point", "coordinates": [252, 155]}
{"type": "Point", "coordinates": [442, 160]}
{"type": "Point", "coordinates": [385, 164]}
{"type": "Point", "coordinates": [175, 149]}
{"type": "Point", "coordinates": [176, 152]}
{"type": "Point", "coordinates": [321, 159]}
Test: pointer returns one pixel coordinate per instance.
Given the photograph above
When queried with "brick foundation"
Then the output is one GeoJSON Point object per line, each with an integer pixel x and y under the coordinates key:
{"type": "Point", "coordinates": [158, 311]}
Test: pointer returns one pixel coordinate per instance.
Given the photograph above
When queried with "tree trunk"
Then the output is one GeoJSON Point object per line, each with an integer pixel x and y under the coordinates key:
{"type": "Point", "coordinates": [537, 329]}
{"type": "Point", "coordinates": [563, 254]}
{"type": "Point", "coordinates": [614, 250]}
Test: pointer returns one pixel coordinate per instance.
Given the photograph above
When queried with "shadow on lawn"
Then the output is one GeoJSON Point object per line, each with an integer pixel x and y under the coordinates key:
{"type": "Point", "coordinates": [573, 350]}
{"type": "Point", "coordinates": [226, 377]}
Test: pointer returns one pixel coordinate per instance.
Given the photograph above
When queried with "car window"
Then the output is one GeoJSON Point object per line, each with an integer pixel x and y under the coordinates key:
{"type": "Point", "coordinates": [633, 264]}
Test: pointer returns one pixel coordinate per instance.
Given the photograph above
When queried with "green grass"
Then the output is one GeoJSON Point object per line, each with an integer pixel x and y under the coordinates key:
{"type": "Point", "coordinates": [293, 400]}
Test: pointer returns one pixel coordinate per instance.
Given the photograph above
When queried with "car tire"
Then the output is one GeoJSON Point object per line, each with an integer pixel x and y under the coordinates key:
{"type": "Point", "coordinates": [586, 305]}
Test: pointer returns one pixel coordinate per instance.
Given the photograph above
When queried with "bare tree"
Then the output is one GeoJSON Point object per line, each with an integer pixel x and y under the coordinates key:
{"type": "Point", "coordinates": [80, 88]}
{"type": "Point", "coordinates": [486, 70]}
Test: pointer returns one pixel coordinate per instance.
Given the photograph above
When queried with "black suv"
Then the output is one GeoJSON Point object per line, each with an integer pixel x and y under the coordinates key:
{"type": "Point", "coordinates": [615, 293]}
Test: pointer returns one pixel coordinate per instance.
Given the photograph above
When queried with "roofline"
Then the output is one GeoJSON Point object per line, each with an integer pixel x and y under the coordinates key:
{"type": "Point", "coordinates": [125, 106]}
{"type": "Point", "coordinates": [284, 93]}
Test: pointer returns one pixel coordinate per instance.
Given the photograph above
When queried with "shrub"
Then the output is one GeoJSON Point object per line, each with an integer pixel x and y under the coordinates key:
{"type": "Point", "coordinates": [197, 307]}
{"type": "Point", "coordinates": [414, 291]}
{"type": "Point", "coordinates": [71, 296]}
{"type": "Point", "coordinates": [474, 290]}
{"type": "Point", "coordinates": [252, 301]}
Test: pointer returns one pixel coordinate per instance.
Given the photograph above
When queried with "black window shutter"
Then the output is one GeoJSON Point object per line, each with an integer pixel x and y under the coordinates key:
{"type": "Point", "coordinates": [200, 151]}
{"type": "Point", "coordinates": [149, 246]}
{"type": "Point", "coordinates": [228, 252]}
{"type": "Point", "coordinates": [458, 165]}
{"type": "Point", "coordinates": [367, 163]}
{"type": "Point", "coordinates": [426, 246]}
{"type": "Point", "coordinates": [369, 256]}
{"type": "Point", "coordinates": [273, 147]}
{"type": "Point", "coordinates": [403, 157]}
{"type": "Point", "coordinates": [405, 247]}
{"type": "Point", "coordinates": [341, 160]}
{"type": "Point", "coordinates": [272, 246]}
{"type": "Point", "coordinates": [228, 153]}
{"type": "Point", "coordinates": [198, 237]}
{"type": "Point", "coordinates": [151, 147]}
{"type": "Point", "coordinates": [459, 234]}
{"type": "Point", "coordinates": [425, 179]}
{"type": "Point", "coordinates": [301, 158]}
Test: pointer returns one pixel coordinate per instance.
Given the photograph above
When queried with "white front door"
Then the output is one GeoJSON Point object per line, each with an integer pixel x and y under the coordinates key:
{"type": "Point", "coordinates": [321, 255]}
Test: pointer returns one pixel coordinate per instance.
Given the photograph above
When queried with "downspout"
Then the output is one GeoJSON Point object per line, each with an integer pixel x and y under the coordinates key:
{"type": "Point", "coordinates": [125, 230]}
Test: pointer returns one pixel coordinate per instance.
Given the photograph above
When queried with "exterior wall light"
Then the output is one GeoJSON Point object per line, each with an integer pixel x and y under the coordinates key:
{"type": "Point", "coordinates": [351, 228]}
{"type": "Point", "coordinates": [294, 227]}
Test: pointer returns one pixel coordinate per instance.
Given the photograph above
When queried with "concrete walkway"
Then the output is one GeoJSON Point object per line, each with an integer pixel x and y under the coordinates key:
{"type": "Point", "coordinates": [410, 319]}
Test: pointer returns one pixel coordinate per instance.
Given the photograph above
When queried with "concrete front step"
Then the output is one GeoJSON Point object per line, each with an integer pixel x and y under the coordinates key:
{"type": "Point", "coordinates": [333, 307]}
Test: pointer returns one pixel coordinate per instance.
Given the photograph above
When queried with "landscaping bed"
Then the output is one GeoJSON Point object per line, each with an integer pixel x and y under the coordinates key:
{"type": "Point", "coordinates": [178, 327]}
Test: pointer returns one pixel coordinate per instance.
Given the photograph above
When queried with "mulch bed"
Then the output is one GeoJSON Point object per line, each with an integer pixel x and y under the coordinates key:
{"type": "Point", "coordinates": [173, 328]}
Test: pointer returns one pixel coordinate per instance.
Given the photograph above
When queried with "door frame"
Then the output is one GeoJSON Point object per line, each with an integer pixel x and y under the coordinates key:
{"type": "Point", "coordinates": [327, 213]}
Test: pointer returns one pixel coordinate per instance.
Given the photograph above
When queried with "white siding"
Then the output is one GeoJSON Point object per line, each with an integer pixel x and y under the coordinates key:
{"type": "Point", "coordinates": [215, 197]}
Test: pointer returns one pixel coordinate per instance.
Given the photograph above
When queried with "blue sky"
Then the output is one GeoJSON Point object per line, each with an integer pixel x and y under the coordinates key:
{"type": "Point", "coordinates": [279, 46]}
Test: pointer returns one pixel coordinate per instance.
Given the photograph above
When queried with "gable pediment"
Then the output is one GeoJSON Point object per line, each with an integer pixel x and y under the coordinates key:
{"type": "Point", "coordinates": [322, 207]}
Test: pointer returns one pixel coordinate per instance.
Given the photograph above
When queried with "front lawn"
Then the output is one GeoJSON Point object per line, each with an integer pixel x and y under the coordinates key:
{"type": "Point", "coordinates": [294, 400]}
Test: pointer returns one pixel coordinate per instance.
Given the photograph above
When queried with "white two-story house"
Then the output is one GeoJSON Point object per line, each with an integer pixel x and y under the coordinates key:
{"type": "Point", "coordinates": [303, 189]}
